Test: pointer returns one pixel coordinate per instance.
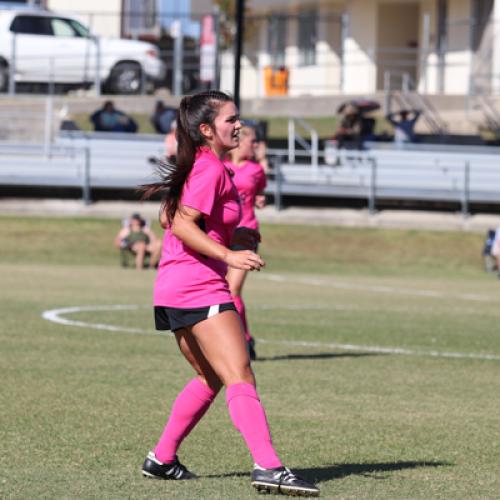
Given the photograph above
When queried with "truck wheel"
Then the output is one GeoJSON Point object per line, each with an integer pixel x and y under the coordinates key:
{"type": "Point", "coordinates": [126, 78]}
{"type": "Point", "coordinates": [4, 77]}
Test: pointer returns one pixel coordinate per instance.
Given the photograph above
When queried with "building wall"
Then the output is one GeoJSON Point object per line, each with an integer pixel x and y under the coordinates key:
{"type": "Point", "coordinates": [495, 48]}
{"type": "Point", "coordinates": [103, 18]}
{"type": "Point", "coordinates": [428, 71]}
{"type": "Point", "coordinates": [201, 7]}
{"type": "Point", "coordinates": [458, 56]}
{"type": "Point", "coordinates": [355, 64]}
{"type": "Point", "coordinates": [397, 41]}
{"type": "Point", "coordinates": [359, 56]}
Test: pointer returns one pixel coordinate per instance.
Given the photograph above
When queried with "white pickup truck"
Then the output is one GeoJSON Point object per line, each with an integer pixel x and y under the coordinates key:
{"type": "Point", "coordinates": [41, 47]}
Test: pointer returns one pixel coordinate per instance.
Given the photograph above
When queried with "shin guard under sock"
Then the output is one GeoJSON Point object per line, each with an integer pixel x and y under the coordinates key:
{"type": "Point", "coordinates": [248, 416]}
{"type": "Point", "coordinates": [188, 408]}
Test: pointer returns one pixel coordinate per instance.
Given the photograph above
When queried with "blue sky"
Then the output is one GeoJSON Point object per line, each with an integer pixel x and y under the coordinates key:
{"type": "Point", "coordinates": [181, 8]}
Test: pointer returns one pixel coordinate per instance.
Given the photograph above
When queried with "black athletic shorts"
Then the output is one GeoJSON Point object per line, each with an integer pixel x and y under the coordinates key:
{"type": "Point", "coordinates": [243, 247]}
{"type": "Point", "coordinates": [172, 318]}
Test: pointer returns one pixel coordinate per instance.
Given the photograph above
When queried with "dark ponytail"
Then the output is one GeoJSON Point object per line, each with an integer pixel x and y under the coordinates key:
{"type": "Point", "coordinates": [193, 111]}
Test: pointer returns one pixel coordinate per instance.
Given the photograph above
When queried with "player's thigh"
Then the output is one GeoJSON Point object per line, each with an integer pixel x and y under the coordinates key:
{"type": "Point", "coordinates": [195, 357]}
{"type": "Point", "coordinates": [222, 341]}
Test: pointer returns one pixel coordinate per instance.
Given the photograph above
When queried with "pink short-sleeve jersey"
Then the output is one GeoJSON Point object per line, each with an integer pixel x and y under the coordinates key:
{"type": "Point", "coordinates": [250, 180]}
{"type": "Point", "coordinates": [187, 279]}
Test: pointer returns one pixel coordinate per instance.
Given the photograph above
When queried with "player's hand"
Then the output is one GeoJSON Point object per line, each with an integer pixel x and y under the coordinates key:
{"type": "Point", "coordinates": [244, 259]}
{"type": "Point", "coordinates": [260, 201]}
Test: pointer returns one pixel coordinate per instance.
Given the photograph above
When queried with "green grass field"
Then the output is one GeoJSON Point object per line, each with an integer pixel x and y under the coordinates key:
{"type": "Point", "coordinates": [379, 367]}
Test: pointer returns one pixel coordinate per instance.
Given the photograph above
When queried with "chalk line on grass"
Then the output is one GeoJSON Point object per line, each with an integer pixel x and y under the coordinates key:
{"type": "Point", "coordinates": [56, 316]}
{"type": "Point", "coordinates": [333, 283]}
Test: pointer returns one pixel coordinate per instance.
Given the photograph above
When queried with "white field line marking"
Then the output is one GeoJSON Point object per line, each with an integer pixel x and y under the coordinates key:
{"type": "Point", "coordinates": [55, 316]}
{"type": "Point", "coordinates": [376, 288]}
{"type": "Point", "coordinates": [392, 309]}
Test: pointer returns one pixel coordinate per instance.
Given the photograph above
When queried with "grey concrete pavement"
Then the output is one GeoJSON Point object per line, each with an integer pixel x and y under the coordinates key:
{"type": "Point", "coordinates": [403, 219]}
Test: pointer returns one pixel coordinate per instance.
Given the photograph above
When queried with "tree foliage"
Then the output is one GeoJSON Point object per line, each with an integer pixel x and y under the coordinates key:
{"type": "Point", "coordinates": [227, 23]}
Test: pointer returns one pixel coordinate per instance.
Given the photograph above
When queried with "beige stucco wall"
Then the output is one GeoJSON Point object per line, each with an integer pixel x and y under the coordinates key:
{"type": "Point", "coordinates": [428, 71]}
{"type": "Point", "coordinates": [361, 72]}
{"type": "Point", "coordinates": [200, 7]}
{"type": "Point", "coordinates": [106, 17]}
{"type": "Point", "coordinates": [458, 57]}
{"type": "Point", "coordinates": [397, 41]}
{"type": "Point", "coordinates": [325, 76]}
{"type": "Point", "coordinates": [495, 44]}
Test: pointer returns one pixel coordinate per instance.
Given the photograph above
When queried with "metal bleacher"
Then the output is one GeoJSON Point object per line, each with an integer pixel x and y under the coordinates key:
{"type": "Point", "coordinates": [432, 173]}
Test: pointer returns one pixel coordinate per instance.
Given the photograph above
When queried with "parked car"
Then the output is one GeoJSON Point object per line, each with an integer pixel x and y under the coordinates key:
{"type": "Point", "coordinates": [42, 46]}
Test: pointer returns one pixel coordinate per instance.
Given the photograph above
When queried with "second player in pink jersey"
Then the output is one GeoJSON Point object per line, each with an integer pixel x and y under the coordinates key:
{"type": "Point", "coordinates": [250, 181]}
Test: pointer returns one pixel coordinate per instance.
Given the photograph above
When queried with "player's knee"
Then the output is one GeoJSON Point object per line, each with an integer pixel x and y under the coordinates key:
{"type": "Point", "coordinates": [244, 374]}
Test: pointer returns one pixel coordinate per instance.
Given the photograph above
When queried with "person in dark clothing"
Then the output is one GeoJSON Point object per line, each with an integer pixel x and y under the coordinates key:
{"type": "Point", "coordinates": [163, 117]}
{"type": "Point", "coordinates": [349, 130]}
{"type": "Point", "coordinates": [404, 125]}
{"type": "Point", "coordinates": [109, 119]}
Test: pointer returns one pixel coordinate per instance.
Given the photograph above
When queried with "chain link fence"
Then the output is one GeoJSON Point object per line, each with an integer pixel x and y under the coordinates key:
{"type": "Point", "coordinates": [294, 54]}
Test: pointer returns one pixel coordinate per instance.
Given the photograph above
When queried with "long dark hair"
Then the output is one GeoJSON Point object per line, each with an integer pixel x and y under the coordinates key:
{"type": "Point", "coordinates": [193, 111]}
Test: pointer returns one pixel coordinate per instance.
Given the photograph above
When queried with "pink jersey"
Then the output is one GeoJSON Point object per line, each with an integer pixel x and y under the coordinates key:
{"type": "Point", "coordinates": [187, 279]}
{"type": "Point", "coordinates": [250, 180]}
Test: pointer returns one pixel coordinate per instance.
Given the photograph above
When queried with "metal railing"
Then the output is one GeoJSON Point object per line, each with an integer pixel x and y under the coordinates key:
{"type": "Point", "coordinates": [294, 137]}
{"type": "Point", "coordinates": [458, 175]}
{"type": "Point", "coordinates": [432, 173]}
{"type": "Point", "coordinates": [408, 97]}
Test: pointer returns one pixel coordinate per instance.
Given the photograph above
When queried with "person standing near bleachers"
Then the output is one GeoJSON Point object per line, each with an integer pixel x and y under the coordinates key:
{"type": "Point", "coordinates": [404, 122]}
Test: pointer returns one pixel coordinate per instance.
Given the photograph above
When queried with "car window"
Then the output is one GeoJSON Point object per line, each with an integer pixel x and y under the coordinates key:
{"type": "Point", "coordinates": [31, 25]}
{"type": "Point", "coordinates": [62, 27]}
{"type": "Point", "coordinates": [79, 28]}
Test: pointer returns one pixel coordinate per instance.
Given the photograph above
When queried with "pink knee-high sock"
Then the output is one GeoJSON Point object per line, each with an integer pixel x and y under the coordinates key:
{"type": "Point", "coordinates": [240, 307]}
{"type": "Point", "coordinates": [188, 408]}
{"type": "Point", "coordinates": [248, 416]}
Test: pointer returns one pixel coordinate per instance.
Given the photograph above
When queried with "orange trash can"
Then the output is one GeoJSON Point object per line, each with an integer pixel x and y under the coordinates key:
{"type": "Point", "coordinates": [275, 81]}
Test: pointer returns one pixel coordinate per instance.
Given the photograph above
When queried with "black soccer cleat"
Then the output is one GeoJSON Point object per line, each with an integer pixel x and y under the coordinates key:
{"type": "Point", "coordinates": [282, 480]}
{"type": "Point", "coordinates": [155, 469]}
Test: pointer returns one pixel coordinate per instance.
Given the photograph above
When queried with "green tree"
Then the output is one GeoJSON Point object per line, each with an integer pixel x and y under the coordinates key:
{"type": "Point", "coordinates": [227, 23]}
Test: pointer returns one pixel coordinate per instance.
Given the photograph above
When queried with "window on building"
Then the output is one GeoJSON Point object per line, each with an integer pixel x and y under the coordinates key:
{"type": "Point", "coordinates": [139, 16]}
{"type": "Point", "coordinates": [308, 36]}
{"type": "Point", "coordinates": [34, 3]}
{"type": "Point", "coordinates": [276, 39]}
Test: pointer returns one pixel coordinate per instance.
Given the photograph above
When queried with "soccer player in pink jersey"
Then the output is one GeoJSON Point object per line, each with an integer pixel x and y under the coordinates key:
{"type": "Point", "coordinates": [200, 212]}
{"type": "Point", "coordinates": [250, 181]}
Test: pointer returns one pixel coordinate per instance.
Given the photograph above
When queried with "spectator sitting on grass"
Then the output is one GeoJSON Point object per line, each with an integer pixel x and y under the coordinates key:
{"type": "Point", "coordinates": [139, 239]}
{"type": "Point", "coordinates": [109, 119]}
